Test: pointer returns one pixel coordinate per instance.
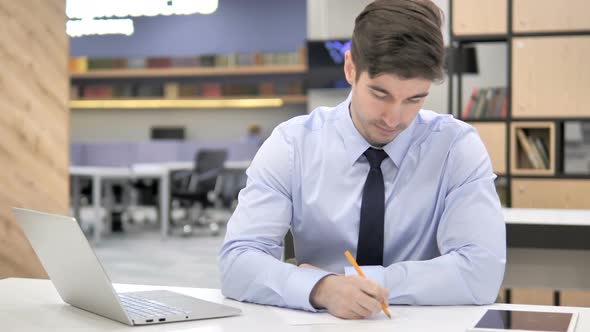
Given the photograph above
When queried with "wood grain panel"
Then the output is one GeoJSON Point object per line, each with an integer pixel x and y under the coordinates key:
{"type": "Point", "coordinates": [34, 123]}
{"type": "Point", "coordinates": [551, 193]}
{"type": "Point", "coordinates": [551, 15]}
{"type": "Point", "coordinates": [551, 76]}
{"type": "Point", "coordinates": [574, 298]}
{"type": "Point", "coordinates": [482, 17]}
{"type": "Point", "coordinates": [539, 296]}
{"type": "Point", "coordinates": [493, 136]}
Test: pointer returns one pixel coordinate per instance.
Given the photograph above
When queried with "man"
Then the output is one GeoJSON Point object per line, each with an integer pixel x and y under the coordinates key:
{"type": "Point", "coordinates": [409, 192]}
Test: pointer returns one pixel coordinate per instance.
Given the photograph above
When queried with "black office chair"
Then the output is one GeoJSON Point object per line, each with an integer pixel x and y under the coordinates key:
{"type": "Point", "coordinates": [191, 188]}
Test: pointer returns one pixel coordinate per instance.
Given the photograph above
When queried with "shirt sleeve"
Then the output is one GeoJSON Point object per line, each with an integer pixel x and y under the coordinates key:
{"type": "Point", "coordinates": [471, 238]}
{"type": "Point", "coordinates": [250, 257]}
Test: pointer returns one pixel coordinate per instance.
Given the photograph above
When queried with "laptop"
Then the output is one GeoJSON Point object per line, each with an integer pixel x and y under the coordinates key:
{"type": "Point", "coordinates": [81, 281]}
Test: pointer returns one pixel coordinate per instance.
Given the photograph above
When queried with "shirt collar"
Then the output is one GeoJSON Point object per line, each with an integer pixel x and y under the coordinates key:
{"type": "Point", "coordinates": [355, 144]}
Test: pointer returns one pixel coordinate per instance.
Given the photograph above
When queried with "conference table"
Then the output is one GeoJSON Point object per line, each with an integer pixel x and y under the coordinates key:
{"type": "Point", "coordinates": [34, 305]}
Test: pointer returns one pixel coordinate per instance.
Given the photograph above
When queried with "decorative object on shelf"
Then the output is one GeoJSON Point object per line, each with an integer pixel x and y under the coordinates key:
{"type": "Point", "coordinates": [464, 59]}
{"type": "Point", "coordinates": [326, 63]}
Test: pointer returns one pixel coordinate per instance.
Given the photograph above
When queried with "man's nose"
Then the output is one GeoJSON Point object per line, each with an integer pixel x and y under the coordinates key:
{"type": "Point", "coordinates": [392, 117]}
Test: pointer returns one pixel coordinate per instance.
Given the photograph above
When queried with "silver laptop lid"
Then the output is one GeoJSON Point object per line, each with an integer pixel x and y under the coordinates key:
{"type": "Point", "coordinates": [70, 263]}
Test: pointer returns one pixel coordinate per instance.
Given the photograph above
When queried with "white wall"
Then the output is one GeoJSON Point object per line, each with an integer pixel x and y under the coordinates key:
{"type": "Point", "coordinates": [209, 125]}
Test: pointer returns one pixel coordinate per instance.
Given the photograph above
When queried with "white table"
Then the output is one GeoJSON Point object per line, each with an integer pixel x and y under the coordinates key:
{"type": "Point", "coordinates": [159, 171]}
{"type": "Point", "coordinates": [34, 305]}
{"type": "Point", "coordinates": [558, 217]}
{"type": "Point", "coordinates": [547, 268]}
{"type": "Point", "coordinates": [98, 174]}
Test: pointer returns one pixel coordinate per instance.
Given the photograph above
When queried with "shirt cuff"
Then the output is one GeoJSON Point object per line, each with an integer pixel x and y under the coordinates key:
{"type": "Point", "coordinates": [372, 272]}
{"type": "Point", "coordinates": [299, 286]}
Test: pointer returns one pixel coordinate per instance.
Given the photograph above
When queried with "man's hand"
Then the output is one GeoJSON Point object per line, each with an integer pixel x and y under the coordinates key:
{"type": "Point", "coordinates": [350, 297]}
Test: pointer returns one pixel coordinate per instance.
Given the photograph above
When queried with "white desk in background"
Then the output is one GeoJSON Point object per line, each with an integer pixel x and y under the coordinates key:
{"type": "Point", "coordinates": [98, 174]}
{"type": "Point", "coordinates": [547, 268]}
{"type": "Point", "coordinates": [34, 305]}
{"type": "Point", "coordinates": [158, 171]}
{"type": "Point", "coordinates": [555, 217]}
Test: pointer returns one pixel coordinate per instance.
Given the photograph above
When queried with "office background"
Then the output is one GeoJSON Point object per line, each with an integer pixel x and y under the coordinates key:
{"type": "Point", "coordinates": [39, 126]}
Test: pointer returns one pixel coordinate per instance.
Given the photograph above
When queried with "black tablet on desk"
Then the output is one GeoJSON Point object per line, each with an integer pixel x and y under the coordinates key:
{"type": "Point", "coordinates": [495, 320]}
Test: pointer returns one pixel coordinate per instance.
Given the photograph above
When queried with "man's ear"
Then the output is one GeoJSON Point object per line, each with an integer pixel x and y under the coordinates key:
{"type": "Point", "coordinates": [349, 68]}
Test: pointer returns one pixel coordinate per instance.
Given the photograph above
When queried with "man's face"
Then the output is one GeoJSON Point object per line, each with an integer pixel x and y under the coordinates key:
{"type": "Point", "coordinates": [383, 106]}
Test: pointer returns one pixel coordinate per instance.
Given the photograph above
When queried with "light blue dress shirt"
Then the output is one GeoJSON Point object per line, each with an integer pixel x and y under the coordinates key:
{"type": "Point", "coordinates": [444, 242]}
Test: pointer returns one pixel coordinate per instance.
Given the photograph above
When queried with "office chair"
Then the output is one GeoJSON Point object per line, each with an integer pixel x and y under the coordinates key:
{"type": "Point", "coordinates": [191, 188]}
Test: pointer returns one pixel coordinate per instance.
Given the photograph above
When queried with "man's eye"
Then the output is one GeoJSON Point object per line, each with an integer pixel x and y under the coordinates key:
{"type": "Point", "coordinates": [379, 96]}
{"type": "Point", "coordinates": [413, 101]}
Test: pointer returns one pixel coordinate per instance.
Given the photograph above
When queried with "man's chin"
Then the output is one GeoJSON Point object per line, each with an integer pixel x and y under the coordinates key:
{"type": "Point", "coordinates": [382, 140]}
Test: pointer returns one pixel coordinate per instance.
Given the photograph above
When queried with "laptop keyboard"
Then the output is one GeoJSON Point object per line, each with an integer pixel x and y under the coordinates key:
{"type": "Point", "coordinates": [142, 307]}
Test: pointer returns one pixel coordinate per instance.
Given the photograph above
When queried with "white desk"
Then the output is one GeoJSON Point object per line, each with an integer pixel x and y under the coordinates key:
{"type": "Point", "coordinates": [547, 268]}
{"type": "Point", "coordinates": [159, 171]}
{"type": "Point", "coordinates": [559, 217]}
{"type": "Point", "coordinates": [98, 174]}
{"type": "Point", "coordinates": [34, 305]}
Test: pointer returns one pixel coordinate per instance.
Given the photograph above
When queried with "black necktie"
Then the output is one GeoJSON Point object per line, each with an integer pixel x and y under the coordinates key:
{"type": "Point", "coordinates": [370, 244]}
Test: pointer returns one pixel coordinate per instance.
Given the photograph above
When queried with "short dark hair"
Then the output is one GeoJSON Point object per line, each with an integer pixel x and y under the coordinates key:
{"type": "Point", "coordinates": [401, 37]}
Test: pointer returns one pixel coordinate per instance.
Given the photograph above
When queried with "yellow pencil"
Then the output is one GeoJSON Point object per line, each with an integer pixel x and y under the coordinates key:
{"type": "Point", "coordinates": [360, 272]}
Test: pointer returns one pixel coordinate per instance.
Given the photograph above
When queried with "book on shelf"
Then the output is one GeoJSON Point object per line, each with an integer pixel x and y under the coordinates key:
{"type": "Point", "coordinates": [123, 90]}
{"type": "Point", "coordinates": [211, 90]}
{"type": "Point", "coordinates": [295, 88]}
{"type": "Point", "coordinates": [119, 63]}
{"type": "Point", "coordinates": [239, 89]}
{"type": "Point", "coordinates": [221, 60]}
{"type": "Point", "coordinates": [188, 90]}
{"type": "Point", "coordinates": [540, 164]}
{"type": "Point", "coordinates": [171, 90]}
{"type": "Point", "coordinates": [481, 100]}
{"type": "Point", "coordinates": [542, 149]}
{"type": "Point", "coordinates": [469, 106]}
{"type": "Point", "coordinates": [184, 62]}
{"type": "Point", "coordinates": [529, 149]}
{"type": "Point", "coordinates": [136, 63]}
{"type": "Point", "coordinates": [100, 63]}
{"type": "Point", "coordinates": [78, 64]}
{"type": "Point", "coordinates": [207, 60]}
{"type": "Point", "coordinates": [97, 91]}
{"type": "Point", "coordinates": [485, 103]}
{"type": "Point", "coordinates": [159, 62]}
{"type": "Point", "coordinates": [149, 90]}
{"type": "Point", "coordinates": [267, 89]}
{"type": "Point", "coordinates": [246, 59]}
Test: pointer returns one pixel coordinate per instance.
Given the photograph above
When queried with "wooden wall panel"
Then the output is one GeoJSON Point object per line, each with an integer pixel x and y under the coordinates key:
{"type": "Point", "coordinates": [481, 17]}
{"type": "Point", "coordinates": [34, 123]}
{"type": "Point", "coordinates": [551, 15]}
{"type": "Point", "coordinates": [575, 298]}
{"type": "Point", "coordinates": [550, 76]}
{"type": "Point", "coordinates": [551, 193]}
{"type": "Point", "coordinates": [531, 296]}
{"type": "Point", "coordinates": [493, 136]}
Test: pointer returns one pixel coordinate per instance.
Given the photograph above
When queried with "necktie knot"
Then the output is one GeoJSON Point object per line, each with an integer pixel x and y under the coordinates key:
{"type": "Point", "coordinates": [375, 157]}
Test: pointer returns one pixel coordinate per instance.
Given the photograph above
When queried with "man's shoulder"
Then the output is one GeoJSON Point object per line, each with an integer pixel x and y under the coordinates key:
{"type": "Point", "coordinates": [320, 118]}
{"type": "Point", "coordinates": [443, 123]}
